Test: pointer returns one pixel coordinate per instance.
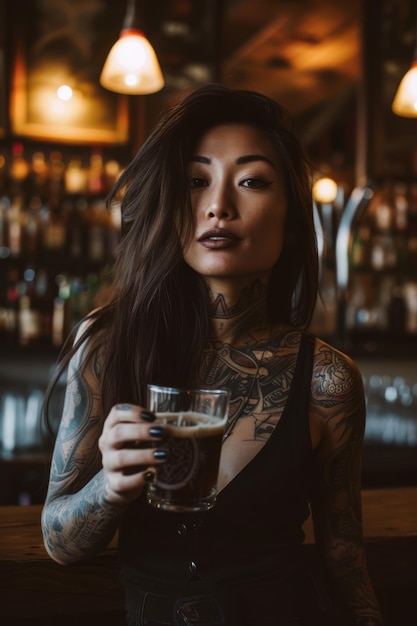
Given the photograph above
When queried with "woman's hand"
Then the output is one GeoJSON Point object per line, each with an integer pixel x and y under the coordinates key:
{"type": "Point", "coordinates": [128, 445]}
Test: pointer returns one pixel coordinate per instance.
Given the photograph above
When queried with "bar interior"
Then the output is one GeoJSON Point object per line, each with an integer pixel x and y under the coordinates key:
{"type": "Point", "coordinates": [64, 140]}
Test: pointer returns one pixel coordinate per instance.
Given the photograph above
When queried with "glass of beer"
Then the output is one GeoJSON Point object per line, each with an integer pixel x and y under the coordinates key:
{"type": "Point", "coordinates": [194, 421]}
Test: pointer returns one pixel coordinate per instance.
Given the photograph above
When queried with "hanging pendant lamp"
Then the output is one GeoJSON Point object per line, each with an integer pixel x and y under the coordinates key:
{"type": "Point", "coordinates": [405, 100]}
{"type": "Point", "coordinates": [132, 66]}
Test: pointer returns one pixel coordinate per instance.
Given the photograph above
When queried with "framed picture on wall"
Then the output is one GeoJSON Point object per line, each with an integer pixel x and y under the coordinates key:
{"type": "Point", "coordinates": [59, 50]}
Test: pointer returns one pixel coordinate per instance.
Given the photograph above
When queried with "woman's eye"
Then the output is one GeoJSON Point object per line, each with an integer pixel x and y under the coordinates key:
{"type": "Point", "coordinates": [196, 183]}
{"type": "Point", "coordinates": [255, 183]}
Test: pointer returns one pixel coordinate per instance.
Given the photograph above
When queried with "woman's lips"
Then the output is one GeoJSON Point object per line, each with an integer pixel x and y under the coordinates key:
{"type": "Point", "coordinates": [218, 238]}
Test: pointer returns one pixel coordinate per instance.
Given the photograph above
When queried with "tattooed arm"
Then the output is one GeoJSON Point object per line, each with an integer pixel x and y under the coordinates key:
{"type": "Point", "coordinates": [338, 407]}
{"type": "Point", "coordinates": [96, 470]}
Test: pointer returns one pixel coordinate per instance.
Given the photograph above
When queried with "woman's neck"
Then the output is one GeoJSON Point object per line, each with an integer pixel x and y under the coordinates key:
{"type": "Point", "coordinates": [235, 317]}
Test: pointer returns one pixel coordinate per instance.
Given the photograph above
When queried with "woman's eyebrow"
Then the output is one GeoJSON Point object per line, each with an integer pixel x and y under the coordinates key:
{"type": "Point", "coordinates": [239, 161]}
{"type": "Point", "coordinates": [253, 157]}
{"type": "Point", "coordinates": [200, 159]}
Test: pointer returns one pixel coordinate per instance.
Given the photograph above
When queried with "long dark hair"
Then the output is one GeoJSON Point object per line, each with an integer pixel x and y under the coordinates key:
{"type": "Point", "coordinates": [158, 318]}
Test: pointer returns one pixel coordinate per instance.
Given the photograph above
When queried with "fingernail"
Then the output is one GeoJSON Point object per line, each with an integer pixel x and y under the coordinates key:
{"type": "Point", "coordinates": [156, 431]}
{"type": "Point", "coordinates": [149, 476]}
{"type": "Point", "coordinates": [148, 416]}
{"type": "Point", "coordinates": [123, 407]}
{"type": "Point", "coordinates": [160, 454]}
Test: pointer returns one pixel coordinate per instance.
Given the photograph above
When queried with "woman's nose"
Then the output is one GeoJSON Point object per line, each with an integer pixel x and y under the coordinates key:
{"type": "Point", "coordinates": [220, 205]}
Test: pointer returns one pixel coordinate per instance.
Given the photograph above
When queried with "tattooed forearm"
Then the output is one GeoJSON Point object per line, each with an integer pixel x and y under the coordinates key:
{"type": "Point", "coordinates": [363, 606]}
{"type": "Point", "coordinates": [77, 458]}
{"type": "Point", "coordinates": [76, 520]}
{"type": "Point", "coordinates": [77, 526]}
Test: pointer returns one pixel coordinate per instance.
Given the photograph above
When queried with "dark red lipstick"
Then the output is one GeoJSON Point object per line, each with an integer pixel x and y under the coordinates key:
{"type": "Point", "coordinates": [218, 238]}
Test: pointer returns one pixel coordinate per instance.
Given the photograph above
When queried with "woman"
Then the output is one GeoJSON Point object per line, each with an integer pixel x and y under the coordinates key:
{"type": "Point", "coordinates": [215, 282]}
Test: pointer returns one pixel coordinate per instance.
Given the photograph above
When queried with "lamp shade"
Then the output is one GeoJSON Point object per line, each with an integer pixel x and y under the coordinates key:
{"type": "Point", "coordinates": [405, 100]}
{"type": "Point", "coordinates": [131, 66]}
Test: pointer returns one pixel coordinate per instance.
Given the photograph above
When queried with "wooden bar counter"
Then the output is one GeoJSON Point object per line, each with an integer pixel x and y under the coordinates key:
{"type": "Point", "coordinates": [36, 590]}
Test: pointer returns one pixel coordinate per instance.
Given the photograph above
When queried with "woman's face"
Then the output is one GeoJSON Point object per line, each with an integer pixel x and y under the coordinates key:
{"type": "Point", "coordinates": [239, 205]}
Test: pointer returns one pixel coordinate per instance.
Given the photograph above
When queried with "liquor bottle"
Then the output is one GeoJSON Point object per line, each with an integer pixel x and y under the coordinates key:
{"type": "Point", "coordinates": [4, 174]}
{"type": "Point", "coordinates": [75, 178]}
{"type": "Point", "coordinates": [95, 176]}
{"type": "Point", "coordinates": [361, 236]}
{"type": "Point", "coordinates": [397, 310]}
{"type": "Point", "coordinates": [42, 302]}
{"type": "Point", "coordinates": [400, 228]}
{"type": "Point", "coordinates": [383, 254]}
{"type": "Point", "coordinates": [412, 231]}
{"type": "Point", "coordinates": [54, 227]}
{"type": "Point", "coordinates": [61, 313]}
{"type": "Point", "coordinates": [76, 227]}
{"type": "Point", "coordinates": [12, 307]}
{"type": "Point", "coordinates": [40, 176]}
{"type": "Point", "coordinates": [19, 171]}
{"type": "Point", "coordinates": [97, 248]}
{"type": "Point", "coordinates": [31, 231]}
{"type": "Point", "coordinates": [29, 322]}
{"type": "Point", "coordinates": [56, 176]}
{"type": "Point", "coordinates": [362, 232]}
{"type": "Point", "coordinates": [4, 227]}
{"type": "Point", "coordinates": [112, 171]}
{"type": "Point", "coordinates": [15, 219]}
{"type": "Point", "coordinates": [114, 214]}
{"type": "Point", "coordinates": [29, 319]}
{"type": "Point", "coordinates": [410, 297]}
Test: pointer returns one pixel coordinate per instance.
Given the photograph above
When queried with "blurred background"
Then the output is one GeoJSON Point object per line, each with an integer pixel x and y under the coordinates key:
{"type": "Point", "coordinates": [67, 130]}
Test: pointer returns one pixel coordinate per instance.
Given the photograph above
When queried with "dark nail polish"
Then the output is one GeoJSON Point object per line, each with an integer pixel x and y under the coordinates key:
{"type": "Point", "coordinates": [148, 416]}
{"type": "Point", "coordinates": [156, 431]}
{"type": "Point", "coordinates": [160, 454]}
{"type": "Point", "coordinates": [149, 477]}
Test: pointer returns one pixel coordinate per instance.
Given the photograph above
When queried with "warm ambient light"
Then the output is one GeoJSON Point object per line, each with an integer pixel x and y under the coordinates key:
{"type": "Point", "coordinates": [131, 66]}
{"type": "Point", "coordinates": [325, 190]}
{"type": "Point", "coordinates": [405, 101]}
{"type": "Point", "coordinates": [64, 92]}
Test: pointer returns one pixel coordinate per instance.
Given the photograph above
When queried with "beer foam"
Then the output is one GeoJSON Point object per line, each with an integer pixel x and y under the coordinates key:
{"type": "Point", "coordinates": [190, 424]}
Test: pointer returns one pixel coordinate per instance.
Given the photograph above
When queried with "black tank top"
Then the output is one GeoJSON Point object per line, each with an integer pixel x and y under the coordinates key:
{"type": "Point", "coordinates": [249, 544]}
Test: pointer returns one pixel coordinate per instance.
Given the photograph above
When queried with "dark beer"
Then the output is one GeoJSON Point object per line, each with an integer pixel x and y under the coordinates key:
{"type": "Point", "coordinates": [187, 481]}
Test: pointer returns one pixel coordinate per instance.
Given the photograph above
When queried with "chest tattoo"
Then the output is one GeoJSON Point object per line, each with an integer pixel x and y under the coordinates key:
{"type": "Point", "coordinates": [258, 376]}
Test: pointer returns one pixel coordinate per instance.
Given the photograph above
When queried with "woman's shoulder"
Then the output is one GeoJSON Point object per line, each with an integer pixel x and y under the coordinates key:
{"type": "Point", "coordinates": [86, 324]}
{"type": "Point", "coordinates": [336, 381]}
{"type": "Point", "coordinates": [327, 358]}
{"type": "Point", "coordinates": [330, 361]}
{"type": "Point", "coordinates": [88, 341]}
{"type": "Point", "coordinates": [96, 323]}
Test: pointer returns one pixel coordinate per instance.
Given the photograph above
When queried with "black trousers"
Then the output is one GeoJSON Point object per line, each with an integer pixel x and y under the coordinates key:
{"type": "Point", "coordinates": [153, 609]}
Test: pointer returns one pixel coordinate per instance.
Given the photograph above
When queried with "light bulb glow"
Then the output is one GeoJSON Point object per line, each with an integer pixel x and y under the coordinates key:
{"type": "Point", "coordinates": [325, 190]}
{"type": "Point", "coordinates": [132, 66]}
{"type": "Point", "coordinates": [64, 92]}
{"type": "Point", "coordinates": [131, 80]}
{"type": "Point", "coordinates": [405, 100]}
